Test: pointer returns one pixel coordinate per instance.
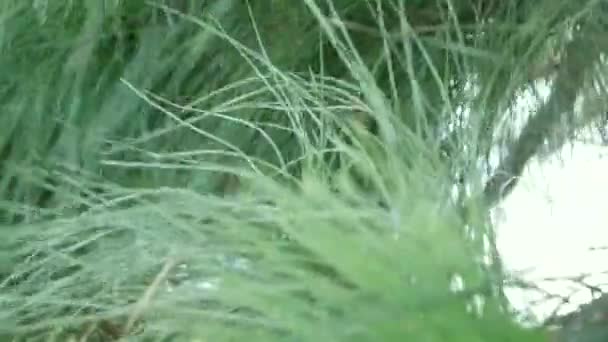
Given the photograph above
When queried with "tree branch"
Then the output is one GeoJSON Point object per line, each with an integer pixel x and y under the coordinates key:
{"type": "Point", "coordinates": [579, 58]}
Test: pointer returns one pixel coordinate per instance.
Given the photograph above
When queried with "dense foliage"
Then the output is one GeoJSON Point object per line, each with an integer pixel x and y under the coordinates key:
{"type": "Point", "coordinates": [276, 170]}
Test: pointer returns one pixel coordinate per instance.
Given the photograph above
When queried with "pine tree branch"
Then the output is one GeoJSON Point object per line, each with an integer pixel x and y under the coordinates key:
{"type": "Point", "coordinates": [579, 59]}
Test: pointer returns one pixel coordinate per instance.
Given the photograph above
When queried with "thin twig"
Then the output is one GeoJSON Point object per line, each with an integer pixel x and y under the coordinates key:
{"type": "Point", "coordinates": [146, 299]}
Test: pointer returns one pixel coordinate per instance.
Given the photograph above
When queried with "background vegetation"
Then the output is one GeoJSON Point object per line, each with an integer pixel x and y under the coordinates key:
{"type": "Point", "coordinates": [276, 170]}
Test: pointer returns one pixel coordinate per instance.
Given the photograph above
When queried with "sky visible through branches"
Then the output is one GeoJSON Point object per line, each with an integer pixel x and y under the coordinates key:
{"type": "Point", "coordinates": [552, 227]}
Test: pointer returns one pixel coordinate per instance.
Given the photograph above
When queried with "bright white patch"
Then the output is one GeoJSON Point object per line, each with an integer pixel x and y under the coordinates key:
{"type": "Point", "coordinates": [548, 225]}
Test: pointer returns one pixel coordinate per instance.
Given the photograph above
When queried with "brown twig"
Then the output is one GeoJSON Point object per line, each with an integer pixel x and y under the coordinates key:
{"type": "Point", "coordinates": [146, 299]}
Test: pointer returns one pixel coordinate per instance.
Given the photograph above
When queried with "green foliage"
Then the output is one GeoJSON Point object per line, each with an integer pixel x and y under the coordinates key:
{"type": "Point", "coordinates": [260, 170]}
